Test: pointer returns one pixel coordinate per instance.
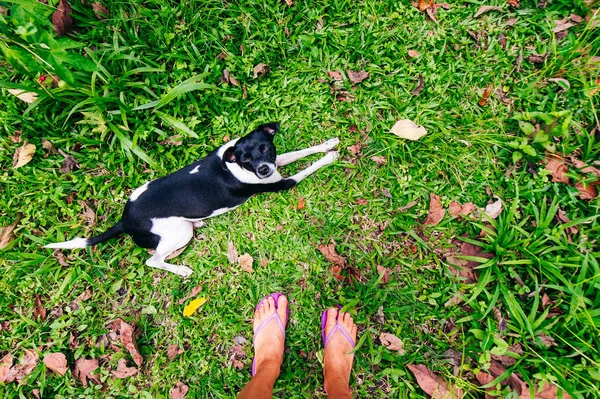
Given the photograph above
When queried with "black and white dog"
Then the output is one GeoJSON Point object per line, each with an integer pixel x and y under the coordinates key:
{"type": "Point", "coordinates": [161, 214]}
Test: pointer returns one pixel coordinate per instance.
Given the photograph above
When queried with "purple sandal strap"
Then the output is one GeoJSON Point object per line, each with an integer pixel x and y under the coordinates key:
{"type": "Point", "coordinates": [340, 328]}
{"type": "Point", "coordinates": [267, 321]}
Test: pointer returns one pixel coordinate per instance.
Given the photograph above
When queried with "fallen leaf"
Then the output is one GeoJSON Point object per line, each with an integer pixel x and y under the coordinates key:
{"type": "Point", "coordinates": [562, 27]}
{"type": "Point", "coordinates": [330, 253]}
{"type": "Point", "coordinates": [6, 375]}
{"type": "Point", "coordinates": [125, 332]}
{"type": "Point", "coordinates": [408, 206]}
{"type": "Point", "coordinates": [260, 70]}
{"type": "Point", "coordinates": [7, 234]}
{"type": "Point", "coordinates": [357, 76]}
{"type": "Point", "coordinates": [301, 204]}
{"type": "Point", "coordinates": [245, 262]}
{"type": "Point", "coordinates": [513, 3]}
{"type": "Point", "coordinates": [434, 385]}
{"type": "Point", "coordinates": [288, 2]}
{"type": "Point", "coordinates": [173, 350]}
{"type": "Point", "coordinates": [454, 209]}
{"type": "Point", "coordinates": [436, 211]}
{"type": "Point", "coordinates": [587, 192]}
{"type": "Point", "coordinates": [40, 310]}
{"type": "Point", "coordinates": [485, 96]}
{"type": "Point", "coordinates": [226, 77]}
{"type": "Point", "coordinates": [84, 368]}
{"type": "Point", "coordinates": [575, 18]}
{"type": "Point", "coordinates": [484, 9]}
{"type": "Point", "coordinates": [191, 308]}
{"type": "Point", "coordinates": [179, 391]}
{"type": "Point", "coordinates": [407, 129]}
{"type": "Point", "coordinates": [62, 21]}
{"type": "Point", "coordinates": [546, 340]}
{"type": "Point", "coordinates": [392, 342]}
{"type": "Point", "coordinates": [100, 11]}
{"type": "Point", "coordinates": [379, 160]}
{"type": "Point", "coordinates": [68, 164]}
{"type": "Point", "coordinates": [413, 53]}
{"type": "Point", "coordinates": [48, 146]}
{"type": "Point", "coordinates": [28, 97]}
{"type": "Point", "coordinates": [56, 362]}
{"type": "Point", "coordinates": [549, 391]}
{"type": "Point", "coordinates": [420, 86]}
{"type": "Point", "coordinates": [123, 371]}
{"type": "Point", "coordinates": [88, 214]}
{"type": "Point", "coordinates": [232, 253]}
{"type": "Point", "coordinates": [494, 209]}
{"type": "Point", "coordinates": [335, 75]}
{"type": "Point", "coordinates": [355, 149]}
{"type": "Point", "coordinates": [502, 42]}
{"type": "Point", "coordinates": [559, 170]}
{"type": "Point", "coordinates": [384, 273]}
{"type": "Point", "coordinates": [537, 59]}
{"type": "Point", "coordinates": [237, 364]}
{"type": "Point", "coordinates": [23, 155]}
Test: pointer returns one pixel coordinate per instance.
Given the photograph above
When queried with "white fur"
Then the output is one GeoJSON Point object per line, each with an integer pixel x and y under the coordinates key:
{"type": "Point", "coordinates": [74, 243]}
{"type": "Point", "coordinates": [245, 176]}
{"type": "Point", "coordinates": [138, 191]}
{"type": "Point", "coordinates": [174, 233]}
{"type": "Point", "coordinates": [195, 170]}
{"type": "Point", "coordinates": [330, 157]}
{"type": "Point", "coordinates": [290, 157]}
{"type": "Point", "coordinates": [225, 146]}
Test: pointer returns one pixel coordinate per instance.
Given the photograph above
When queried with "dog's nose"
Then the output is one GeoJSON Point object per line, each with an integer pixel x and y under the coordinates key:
{"type": "Point", "coordinates": [264, 170]}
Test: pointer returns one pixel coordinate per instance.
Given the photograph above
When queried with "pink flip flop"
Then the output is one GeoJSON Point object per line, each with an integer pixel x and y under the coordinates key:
{"type": "Point", "coordinates": [337, 327]}
{"type": "Point", "coordinates": [275, 316]}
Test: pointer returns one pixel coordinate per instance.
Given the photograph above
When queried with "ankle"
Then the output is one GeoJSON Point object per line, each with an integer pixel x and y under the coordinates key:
{"type": "Point", "coordinates": [337, 386]}
{"type": "Point", "coordinates": [270, 365]}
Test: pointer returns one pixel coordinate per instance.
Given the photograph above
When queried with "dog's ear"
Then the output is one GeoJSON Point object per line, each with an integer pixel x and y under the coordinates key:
{"type": "Point", "coordinates": [270, 128]}
{"type": "Point", "coordinates": [229, 155]}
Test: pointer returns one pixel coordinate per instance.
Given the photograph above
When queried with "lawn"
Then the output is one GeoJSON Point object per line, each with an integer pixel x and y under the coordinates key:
{"type": "Point", "coordinates": [503, 302]}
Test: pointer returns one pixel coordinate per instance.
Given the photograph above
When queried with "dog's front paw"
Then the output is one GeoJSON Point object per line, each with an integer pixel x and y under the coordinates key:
{"type": "Point", "coordinates": [330, 144]}
{"type": "Point", "coordinates": [184, 271]}
{"type": "Point", "coordinates": [330, 157]}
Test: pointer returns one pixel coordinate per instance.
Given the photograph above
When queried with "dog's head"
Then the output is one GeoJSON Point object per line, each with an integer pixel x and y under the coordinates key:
{"type": "Point", "coordinates": [255, 152]}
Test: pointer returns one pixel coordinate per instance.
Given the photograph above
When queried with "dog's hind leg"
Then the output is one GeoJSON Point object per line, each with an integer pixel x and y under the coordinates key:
{"type": "Point", "coordinates": [290, 157]}
{"type": "Point", "coordinates": [174, 233]}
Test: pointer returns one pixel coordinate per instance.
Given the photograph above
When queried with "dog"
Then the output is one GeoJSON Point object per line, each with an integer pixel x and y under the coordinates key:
{"type": "Point", "coordinates": [162, 213]}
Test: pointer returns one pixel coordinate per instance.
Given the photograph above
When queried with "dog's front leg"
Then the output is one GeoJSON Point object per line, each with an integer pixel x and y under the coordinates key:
{"type": "Point", "coordinates": [290, 157]}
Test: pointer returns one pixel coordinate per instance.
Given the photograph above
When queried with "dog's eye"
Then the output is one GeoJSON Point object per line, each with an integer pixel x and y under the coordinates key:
{"type": "Point", "coordinates": [264, 148]}
{"type": "Point", "coordinates": [246, 158]}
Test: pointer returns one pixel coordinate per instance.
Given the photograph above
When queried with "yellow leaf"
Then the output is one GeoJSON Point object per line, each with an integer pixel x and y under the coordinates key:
{"type": "Point", "coordinates": [407, 129]}
{"type": "Point", "coordinates": [193, 306]}
{"type": "Point", "coordinates": [28, 97]}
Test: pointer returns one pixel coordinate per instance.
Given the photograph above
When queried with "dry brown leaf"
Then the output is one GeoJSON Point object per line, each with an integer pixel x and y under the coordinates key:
{"type": "Point", "coordinates": [407, 129]}
{"type": "Point", "coordinates": [227, 77]}
{"type": "Point", "coordinates": [100, 11]}
{"type": "Point", "coordinates": [484, 9]}
{"type": "Point", "coordinates": [550, 391]}
{"type": "Point", "coordinates": [413, 53]}
{"type": "Point", "coordinates": [40, 310]}
{"type": "Point", "coordinates": [537, 58]}
{"type": "Point", "coordinates": [379, 159]}
{"type": "Point", "coordinates": [486, 94]}
{"type": "Point", "coordinates": [56, 362]}
{"type": "Point", "coordinates": [7, 234]}
{"type": "Point", "coordinates": [355, 149]}
{"type": "Point", "coordinates": [84, 368]}
{"type": "Point", "coordinates": [62, 21]}
{"type": "Point", "coordinates": [301, 204]}
{"type": "Point", "coordinates": [494, 209]}
{"type": "Point", "coordinates": [179, 391]}
{"type": "Point", "coordinates": [384, 272]}
{"type": "Point", "coordinates": [288, 2]}
{"type": "Point", "coordinates": [27, 96]}
{"type": "Point", "coordinates": [48, 146]}
{"type": "Point", "coordinates": [123, 371]}
{"type": "Point", "coordinates": [558, 169]}
{"type": "Point", "coordinates": [454, 209]}
{"type": "Point", "coordinates": [587, 192]}
{"type": "Point", "coordinates": [436, 211]}
{"type": "Point", "coordinates": [125, 332]}
{"type": "Point", "coordinates": [173, 350]}
{"type": "Point", "coordinates": [433, 385]}
{"type": "Point", "coordinates": [260, 70]}
{"type": "Point", "coordinates": [245, 262]}
{"type": "Point", "coordinates": [513, 3]}
{"type": "Point", "coordinates": [232, 253]}
{"type": "Point", "coordinates": [357, 76]}
{"type": "Point", "coordinates": [562, 27]}
{"type": "Point", "coordinates": [68, 164]}
{"type": "Point", "coordinates": [23, 155]}
{"type": "Point", "coordinates": [6, 373]}
{"type": "Point", "coordinates": [88, 214]}
{"type": "Point", "coordinates": [392, 342]}
{"type": "Point", "coordinates": [420, 85]}
{"type": "Point", "coordinates": [335, 75]}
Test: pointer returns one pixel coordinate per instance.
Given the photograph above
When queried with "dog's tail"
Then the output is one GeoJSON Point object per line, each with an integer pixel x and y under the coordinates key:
{"type": "Point", "coordinates": [114, 231]}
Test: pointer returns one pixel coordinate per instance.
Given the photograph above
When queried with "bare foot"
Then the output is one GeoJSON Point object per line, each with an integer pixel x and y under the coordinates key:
{"type": "Point", "coordinates": [269, 342]}
{"type": "Point", "coordinates": [338, 357]}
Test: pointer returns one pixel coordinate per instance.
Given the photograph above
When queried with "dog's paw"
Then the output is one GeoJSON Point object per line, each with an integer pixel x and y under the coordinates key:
{"type": "Point", "coordinates": [199, 224]}
{"type": "Point", "coordinates": [184, 271]}
{"type": "Point", "coordinates": [330, 157]}
{"type": "Point", "coordinates": [330, 144]}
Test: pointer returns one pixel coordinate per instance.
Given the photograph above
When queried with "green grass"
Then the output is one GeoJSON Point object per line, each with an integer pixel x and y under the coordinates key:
{"type": "Point", "coordinates": [145, 56]}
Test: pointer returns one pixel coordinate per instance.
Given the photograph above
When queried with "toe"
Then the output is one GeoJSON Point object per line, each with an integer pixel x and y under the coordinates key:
{"type": "Point", "coordinates": [332, 313]}
{"type": "Point", "coordinates": [282, 304]}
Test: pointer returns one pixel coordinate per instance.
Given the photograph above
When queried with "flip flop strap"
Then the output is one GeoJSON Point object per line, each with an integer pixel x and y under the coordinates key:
{"type": "Point", "coordinates": [340, 328]}
{"type": "Point", "coordinates": [266, 321]}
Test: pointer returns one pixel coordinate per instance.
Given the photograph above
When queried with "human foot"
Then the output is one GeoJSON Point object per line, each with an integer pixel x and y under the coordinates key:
{"type": "Point", "coordinates": [270, 320]}
{"type": "Point", "coordinates": [339, 337]}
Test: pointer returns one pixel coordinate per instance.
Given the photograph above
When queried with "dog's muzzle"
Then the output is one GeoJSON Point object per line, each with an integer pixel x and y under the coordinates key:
{"type": "Point", "coordinates": [264, 170]}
